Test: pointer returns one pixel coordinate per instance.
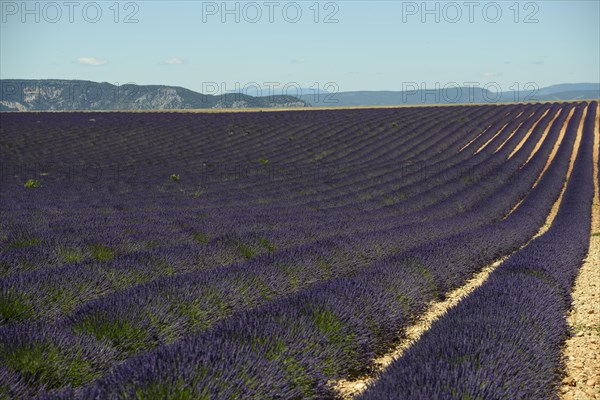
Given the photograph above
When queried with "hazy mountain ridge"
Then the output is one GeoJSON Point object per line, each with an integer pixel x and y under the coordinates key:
{"type": "Point", "coordinates": [58, 94]}
{"type": "Point", "coordinates": [455, 95]}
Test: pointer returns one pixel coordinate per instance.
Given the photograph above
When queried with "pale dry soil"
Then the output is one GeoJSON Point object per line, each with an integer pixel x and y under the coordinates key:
{"type": "Point", "coordinates": [483, 146]}
{"type": "Point", "coordinates": [527, 135]}
{"type": "Point", "coordinates": [559, 140]}
{"type": "Point", "coordinates": [542, 139]}
{"type": "Point", "coordinates": [437, 309]}
{"type": "Point", "coordinates": [582, 350]}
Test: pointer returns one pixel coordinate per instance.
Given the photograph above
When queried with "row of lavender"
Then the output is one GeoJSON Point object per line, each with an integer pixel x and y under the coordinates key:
{"type": "Point", "coordinates": [190, 233]}
{"type": "Point", "coordinates": [409, 297]}
{"type": "Point", "coordinates": [70, 353]}
{"type": "Point", "coordinates": [504, 341]}
{"type": "Point", "coordinates": [76, 349]}
{"type": "Point", "coordinates": [142, 259]}
{"type": "Point", "coordinates": [326, 259]}
{"type": "Point", "coordinates": [208, 141]}
{"type": "Point", "coordinates": [262, 186]}
{"type": "Point", "coordinates": [21, 207]}
{"type": "Point", "coordinates": [354, 166]}
{"type": "Point", "coordinates": [293, 346]}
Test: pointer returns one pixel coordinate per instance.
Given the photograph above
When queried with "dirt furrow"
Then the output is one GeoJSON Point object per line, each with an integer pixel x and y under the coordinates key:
{"type": "Point", "coordinates": [526, 137]}
{"type": "Point", "coordinates": [582, 351]}
{"type": "Point", "coordinates": [483, 146]}
{"type": "Point", "coordinates": [437, 309]}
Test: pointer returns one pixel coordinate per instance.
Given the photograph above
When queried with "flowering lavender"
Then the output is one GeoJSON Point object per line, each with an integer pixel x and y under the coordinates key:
{"type": "Point", "coordinates": [504, 341]}
{"type": "Point", "coordinates": [245, 278]}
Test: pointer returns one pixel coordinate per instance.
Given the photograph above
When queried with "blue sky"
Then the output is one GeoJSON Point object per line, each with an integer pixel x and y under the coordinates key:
{"type": "Point", "coordinates": [366, 45]}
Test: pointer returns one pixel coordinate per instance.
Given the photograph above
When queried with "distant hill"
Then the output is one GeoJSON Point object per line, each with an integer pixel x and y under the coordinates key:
{"type": "Point", "coordinates": [57, 94]}
{"type": "Point", "coordinates": [292, 90]}
{"type": "Point", "coordinates": [456, 95]}
{"type": "Point", "coordinates": [569, 87]}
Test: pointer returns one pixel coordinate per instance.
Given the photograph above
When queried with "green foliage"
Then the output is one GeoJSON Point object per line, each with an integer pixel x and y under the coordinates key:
{"type": "Point", "coordinates": [278, 352]}
{"type": "Point", "coordinates": [181, 390]}
{"type": "Point", "coordinates": [66, 299]}
{"type": "Point", "coordinates": [46, 364]}
{"type": "Point", "coordinates": [32, 183]}
{"type": "Point", "coordinates": [204, 311]}
{"type": "Point", "coordinates": [404, 300]}
{"type": "Point", "coordinates": [394, 124]}
{"type": "Point", "coordinates": [175, 177]}
{"type": "Point", "coordinates": [197, 314]}
{"type": "Point", "coordinates": [101, 252]}
{"type": "Point", "coordinates": [291, 274]}
{"type": "Point", "coordinates": [13, 307]}
{"type": "Point", "coordinates": [425, 273]}
{"type": "Point", "coordinates": [20, 243]}
{"type": "Point", "coordinates": [122, 278]}
{"type": "Point", "coordinates": [166, 267]}
{"type": "Point", "coordinates": [327, 322]}
{"type": "Point", "coordinates": [264, 290]}
{"type": "Point", "coordinates": [325, 267]}
{"type": "Point", "coordinates": [270, 247]}
{"type": "Point", "coordinates": [200, 237]}
{"type": "Point", "coordinates": [246, 251]}
{"type": "Point", "coordinates": [123, 334]}
{"type": "Point", "coordinates": [331, 325]}
{"type": "Point", "coordinates": [263, 161]}
{"type": "Point", "coordinates": [70, 255]}
{"type": "Point", "coordinates": [388, 200]}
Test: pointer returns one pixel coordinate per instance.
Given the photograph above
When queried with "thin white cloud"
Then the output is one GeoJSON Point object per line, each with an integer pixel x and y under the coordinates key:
{"type": "Point", "coordinates": [93, 61]}
{"type": "Point", "coordinates": [174, 61]}
{"type": "Point", "coordinates": [300, 60]}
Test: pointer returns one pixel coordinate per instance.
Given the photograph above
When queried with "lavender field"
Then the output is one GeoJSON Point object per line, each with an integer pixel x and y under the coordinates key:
{"type": "Point", "coordinates": [270, 255]}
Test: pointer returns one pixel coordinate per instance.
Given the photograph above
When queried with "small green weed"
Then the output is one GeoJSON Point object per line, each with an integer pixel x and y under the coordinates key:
{"type": "Point", "coordinates": [101, 252]}
{"type": "Point", "coordinates": [20, 243]}
{"type": "Point", "coordinates": [246, 251]}
{"type": "Point", "coordinates": [201, 237]}
{"type": "Point", "coordinates": [32, 183]}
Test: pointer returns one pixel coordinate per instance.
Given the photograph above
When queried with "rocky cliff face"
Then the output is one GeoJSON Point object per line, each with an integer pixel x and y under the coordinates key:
{"type": "Point", "coordinates": [32, 95]}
